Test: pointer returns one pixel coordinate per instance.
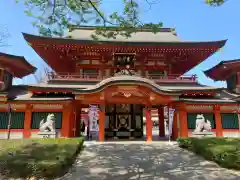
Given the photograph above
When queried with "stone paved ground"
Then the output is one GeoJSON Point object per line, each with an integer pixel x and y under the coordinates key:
{"type": "Point", "coordinates": [139, 160]}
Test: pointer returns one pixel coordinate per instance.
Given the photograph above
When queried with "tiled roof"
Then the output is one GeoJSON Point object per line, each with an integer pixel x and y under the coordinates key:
{"type": "Point", "coordinates": [21, 92]}
{"type": "Point", "coordinates": [61, 86]}
{"type": "Point", "coordinates": [144, 35]}
{"type": "Point", "coordinates": [171, 88]}
{"type": "Point", "coordinates": [223, 69]}
{"type": "Point", "coordinates": [208, 100]}
{"type": "Point", "coordinates": [42, 99]}
{"type": "Point", "coordinates": [18, 65]}
{"type": "Point", "coordinates": [141, 38]}
{"type": "Point", "coordinates": [223, 96]}
{"type": "Point", "coordinates": [143, 81]}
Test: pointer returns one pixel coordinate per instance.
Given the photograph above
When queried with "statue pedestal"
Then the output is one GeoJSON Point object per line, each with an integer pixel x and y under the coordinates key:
{"type": "Point", "coordinates": [202, 134]}
{"type": "Point", "coordinates": [47, 134]}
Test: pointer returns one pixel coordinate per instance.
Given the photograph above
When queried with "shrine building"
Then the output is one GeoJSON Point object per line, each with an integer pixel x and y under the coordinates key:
{"type": "Point", "coordinates": [131, 81]}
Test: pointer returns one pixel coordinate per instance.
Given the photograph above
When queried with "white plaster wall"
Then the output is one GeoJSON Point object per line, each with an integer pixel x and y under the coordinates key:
{"type": "Point", "coordinates": [13, 135]}
{"type": "Point", "coordinates": [225, 134]}
{"type": "Point", "coordinates": [192, 135]}
{"type": "Point", "coordinates": [231, 134]}
{"type": "Point", "coordinates": [35, 134]}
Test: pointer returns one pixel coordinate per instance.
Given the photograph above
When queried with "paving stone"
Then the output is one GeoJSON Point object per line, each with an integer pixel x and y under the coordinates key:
{"type": "Point", "coordinates": [145, 161]}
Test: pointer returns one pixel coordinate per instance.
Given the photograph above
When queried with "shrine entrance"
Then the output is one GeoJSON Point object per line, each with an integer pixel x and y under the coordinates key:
{"type": "Point", "coordinates": [123, 121]}
{"type": "Point", "coordinates": [122, 107]}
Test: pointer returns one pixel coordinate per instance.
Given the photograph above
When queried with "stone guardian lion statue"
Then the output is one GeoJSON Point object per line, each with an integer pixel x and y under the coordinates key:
{"type": "Point", "coordinates": [202, 125]}
{"type": "Point", "coordinates": [48, 125]}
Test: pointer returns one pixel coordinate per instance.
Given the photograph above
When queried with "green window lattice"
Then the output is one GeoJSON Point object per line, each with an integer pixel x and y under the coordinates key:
{"type": "Point", "coordinates": [230, 121]}
{"type": "Point", "coordinates": [17, 120]}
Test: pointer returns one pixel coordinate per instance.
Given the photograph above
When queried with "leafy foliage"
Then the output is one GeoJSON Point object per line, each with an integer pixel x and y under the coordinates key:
{"type": "Point", "coordinates": [54, 17]}
{"type": "Point", "coordinates": [224, 151]}
{"type": "Point", "coordinates": [41, 158]}
{"type": "Point", "coordinates": [215, 2]}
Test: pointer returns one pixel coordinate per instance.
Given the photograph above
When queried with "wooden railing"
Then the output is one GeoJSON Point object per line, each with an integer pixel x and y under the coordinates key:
{"type": "Point", "coordinates": [96, 77]}
{"type": "Point", "coordinates": [74, 77]}
{"type": "Point", "coordinates": [172, 78]}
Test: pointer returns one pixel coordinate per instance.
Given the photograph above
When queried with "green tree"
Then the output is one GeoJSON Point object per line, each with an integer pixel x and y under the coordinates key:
{"type": "Point", "coordinates": [215, 2]}
{"type": "Point", "coordinates": [54, 17]}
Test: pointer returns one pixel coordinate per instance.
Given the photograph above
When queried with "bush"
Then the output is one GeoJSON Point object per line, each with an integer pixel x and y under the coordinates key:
{"type": "Point", "coordinates": [46, 158]}
{"type": "Point", "coordinates": [224, 151]}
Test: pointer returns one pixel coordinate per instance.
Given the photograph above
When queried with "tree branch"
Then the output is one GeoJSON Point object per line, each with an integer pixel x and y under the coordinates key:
{"type": "Point", "coordinates": [54, 17]}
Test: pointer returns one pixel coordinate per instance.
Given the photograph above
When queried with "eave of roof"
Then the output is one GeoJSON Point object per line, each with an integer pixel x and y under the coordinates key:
{"type": "Point", "coordinates": [208, 101]}
{"type": "Point", "coordinates": [143, 81]}
{"type": "Point", "coordinates": [122, 80]}
{"type": "Point", "coordinates": [114, 28]}
{"type": "Point", "coordinates": [207, 48]}
{"type": "Point", "coordinates": [43, 99]}
{"type": "Point", "coordinates": [237, 98]}
{"type": "Point", "coordinates": [21, 93]}
{"type": "Point", "coordinates": [30, 37]}
{"type": "Point", "coordinates": [26, 70]}
{"type": "Point", "coordinates": [215, 75]}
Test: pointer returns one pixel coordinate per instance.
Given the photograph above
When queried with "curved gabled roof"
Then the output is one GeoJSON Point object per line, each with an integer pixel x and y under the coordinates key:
{"type": "Point", "coordinates": [22, 92]}
{"type": "Point", "coordinates": [17, 64]}
{"type": "Point", "coordinates": [127, 80]}
{"type": "Point", "coordinates": [222, 70]}
{"type": "Point", "coordinates": [135, 80]}
{"type": "Point", "coordinates": [182, 55]}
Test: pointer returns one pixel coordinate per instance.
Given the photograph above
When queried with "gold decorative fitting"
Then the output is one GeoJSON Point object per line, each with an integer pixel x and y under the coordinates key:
{"type": "Point", "coordinates": [126, 94]}
{"type": "Point", "coordinates": [152, 98]}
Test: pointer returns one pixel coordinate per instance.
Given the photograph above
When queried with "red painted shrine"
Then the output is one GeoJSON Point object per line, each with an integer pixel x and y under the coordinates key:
{"type": "Point", "coordinates": [132, 81]}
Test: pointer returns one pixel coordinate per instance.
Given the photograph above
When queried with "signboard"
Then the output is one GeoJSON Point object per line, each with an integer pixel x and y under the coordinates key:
{"type": "Point", "coordinates": [93, 118]}
{"type": "Point", "coordinates": [170, 117]}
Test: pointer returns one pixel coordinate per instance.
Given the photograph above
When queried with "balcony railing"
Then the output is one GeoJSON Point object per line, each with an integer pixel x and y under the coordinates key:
{"type": "Point", "coordinates": [173, 78]}
{"type": "Point", "coordinates": [98, 78]}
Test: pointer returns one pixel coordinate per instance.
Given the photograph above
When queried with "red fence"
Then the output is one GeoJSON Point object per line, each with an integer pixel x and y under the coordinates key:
{"type": "Point", "coordinates": [96, 77]}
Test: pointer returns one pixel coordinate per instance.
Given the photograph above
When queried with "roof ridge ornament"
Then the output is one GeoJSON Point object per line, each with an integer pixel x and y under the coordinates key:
{"type": "Point", "coordinates": [125, 72]}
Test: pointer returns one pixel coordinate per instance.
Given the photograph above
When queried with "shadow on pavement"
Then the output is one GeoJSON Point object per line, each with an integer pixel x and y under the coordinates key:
{"type": "Point", "coordinates": [130, 161]}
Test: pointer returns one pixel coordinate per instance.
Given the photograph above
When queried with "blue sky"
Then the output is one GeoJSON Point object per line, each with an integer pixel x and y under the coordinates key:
{"type": "Point", "coordinates": [194, 21]}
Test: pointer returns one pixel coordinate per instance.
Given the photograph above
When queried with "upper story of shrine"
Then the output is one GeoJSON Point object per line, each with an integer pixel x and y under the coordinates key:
{"type": "Point", "coordinates": [162, 57]}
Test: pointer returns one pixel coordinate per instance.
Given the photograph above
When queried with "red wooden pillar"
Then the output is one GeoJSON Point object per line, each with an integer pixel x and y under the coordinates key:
{"type": "Point", "coordinates": [27, 121]}
{"type": "Point", "coordinates": [183, 121]}
{"type": "Point", "coordinates": [161, 125]}
{"type": "Point", "coordinates": [101, 126]}
{"type": "Point", "coordinates": [175, 126]}
{"type": "Point", "coordinates": [149, 124]}
{"type": "Point", "coordinates": [67, 121]}
{"type": "Point", "coordinates": [78, 121]}
{"type": "Point", "coordinates": [218, 121]}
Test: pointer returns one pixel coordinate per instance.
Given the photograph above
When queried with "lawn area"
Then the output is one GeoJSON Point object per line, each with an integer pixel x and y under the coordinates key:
{"type": "Point", "coordinates": [224, 151]}
{"type": "Point", "coordinates": [46, 158]}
